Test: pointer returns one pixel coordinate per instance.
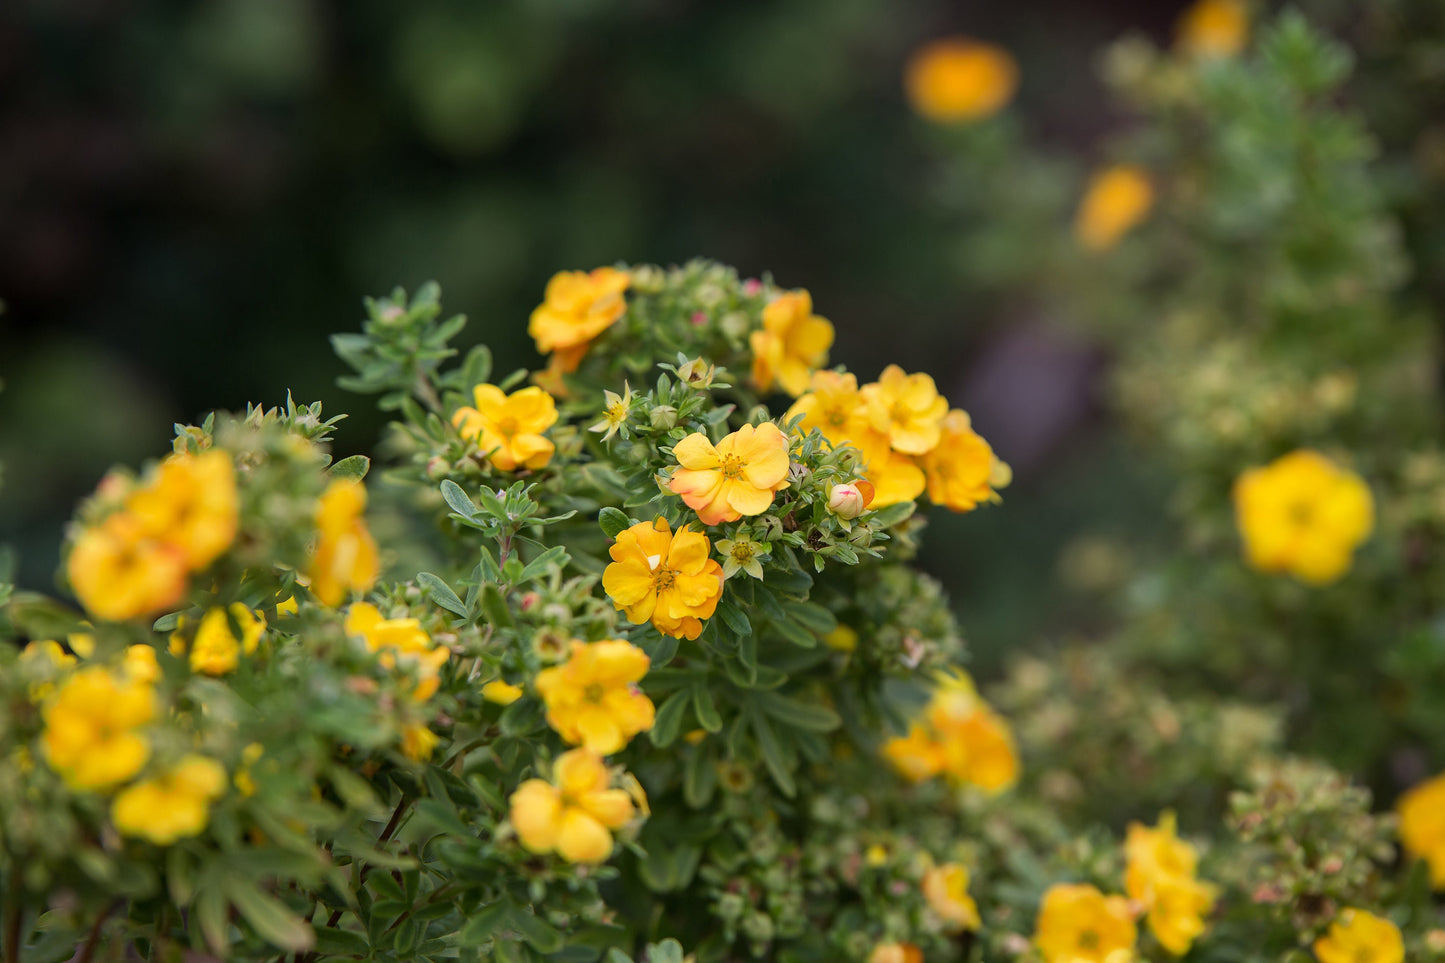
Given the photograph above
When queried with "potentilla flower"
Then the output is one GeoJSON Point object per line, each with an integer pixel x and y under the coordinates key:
{"type": "Point", "coordinates": [917, 756]}
{"type": "Point", "coordinates": [593, 699]}
{"type": "Point", "coordinates": [978, 747]}
{"type": "Point", "coordinates": [742, 554]}
{"type": "Point", "coordinates": [737, 477]}
{"type": "Point", "coordinates": [577, 307]}
{"type": "Point", "coordinates": [1152, 853]}
{"type": "Point", "coordinates": [793, 341]}
{"type": "Point", "coordinates": [832, 404]}
{"type": "Point", "coordinates": [345, 558]}
{"type": "Point", "coordinates": [56, 660]}
{"type": "Point", "coordinates": [1303, 514]}
{"type": "Point", "coordinates": [216, 648]}
{"type": "Point", "coordinates": [1214, 28]}
{"type": "Point", "coordinates": [140, 664]}
{"type": "Point", "coordinates": [508, 428]}
{"type": "Point", "coordinates": [962, 471]}
{"type": "Point", "coordinates": [907, 409]}
{"type": "Point", "coordinates": [573, 814]}
{"type": "Point", "coordinates": [500, 692]}
{"type": "Point", "coordinates": [91, 725]}
{"type": "Point", "coordinates": [1358, 936]}
{"type": "Point", "coordinates": [190, 503]}
{"type": "Point", "coordinates": [418, 742]}
{"type": "Point", "coordinates": [835, 406]}
{"type": "Point", "coordinates": [1422, 826]}
{"type": "Point", "coordinates": [118, 572]}
{"type": "Point", "coordinates": [958, 80]}
{"type": "Point", "coordinates": [1115, 201]}
{"type": "Point", "coordinates": [1178, 907]}
{"type": "Point", "coordinates": [895, 477]}
{"type": "Point", "coordinates": [1160, 875]}
{"type": "Point", "coordinates": [615, 409]}
{"type": "Point", "coordinates": [896, 953]}
{"type": "Point", "coordinates": [946, 890]}
{"type": "Point", "coordinates": [668, 579]}
{"type": "Point", "coordinates": [174, 805]}
{"type": "Point", "coordinates": [400, 642]}
{"type": "Point", "coordinates": [1079, 924]}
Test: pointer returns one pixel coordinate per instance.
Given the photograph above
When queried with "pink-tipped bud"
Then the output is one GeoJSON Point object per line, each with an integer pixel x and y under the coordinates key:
{"type": "Point", "coordinates": [851, 499]}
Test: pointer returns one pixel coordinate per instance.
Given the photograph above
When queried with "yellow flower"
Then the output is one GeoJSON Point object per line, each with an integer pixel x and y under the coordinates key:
{"type": "Point", "coordinates": [118, 572]}
{"type": "Point", "coordinates": [401, 641]}
{"type": "Point", "coordinates": [90, 728]}
{"type": "Point", "coordinates": [832, 404]}
{"type": "Point", "coordinates": [962, 470]}
{"type": "Point", "coordinates": [577, 307]}
{"type": "Point", "coordinates": [946, 890]}
{"type": "Point", "coordinates": [191, 504]}
{"type": "Point", "coordinates": [737, 477]}
{"type": "Point", "coordinates": [417, 742]}
{"type": "Point", "coordinates": [956, 79]}
{"type": "Point", "coordinates": [1214, 28]}
{"type": "Point", "coordinates": [1177, 908]}
{"type": "Point", "coordinates": [1304, 515]}
{"type": "Point", "coordinates": [243, 781]}
{"type": "Point", "coordinates": [669, 579]}
{"type": "Point", "coordinates": [574, 814]}
{"type": "Point", "coordinates": [345, 558]}
{"type": "Point", "coordinates": [140, 664]}
{"type": "Point", "coordinates": [1159, 875]}
{"type": "Point", "coordinates": [742, 554]}
{"type": "Point", "coordinates": [895, 477]}
{"type": "Point", "coordinates": [907, 409]}
{"type": "Point", "coordinates": [615, 409]}
{"type": "Point", "coordinates": [501, 693]}
{"type": "Point", "coordinates": [977, 746]}
{"type": "Point", "coordinates": [216, 650]}
{"type": "Point", "coordinates": [917, 756]}
{"type": "Point", "coordinates": [1115, 201]}
{"type": "Point", "coordinates": [56, 660]}
{"type": "Point", "coordinates": [173, 805]}
{"type": "Point", "coordinates": [895, 953]}
{"type": "Point", "coordinates": [793, 341]}
{"type": "Point", "coordinates": [509, 427]}
{"type": "Point", "coordinates": [1360, 937]}
{"type": "Point", "coordinates": [1079, 924]}
{"type": "Point", "coordinates": [835, 406]}
{"type": "Point", "coordinates": [1422, 826]}
{"type": "Point", "coordinates": [592, 698]}
{"type": "Point", "coordinates": [843, 638]}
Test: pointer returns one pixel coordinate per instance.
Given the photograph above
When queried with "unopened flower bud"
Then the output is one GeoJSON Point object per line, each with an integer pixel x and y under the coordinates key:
{"type": "Point", "coordinates": [850, 499]}
{"type": "Point", "coordinates": [663, 417]}
{"type": "Point", "coordinates": [391, 314]}
{"type": "Point", "coordinates": [437, 468]}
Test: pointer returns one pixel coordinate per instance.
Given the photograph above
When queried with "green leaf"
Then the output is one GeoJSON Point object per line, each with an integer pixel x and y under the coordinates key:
{"type": "Point", "coordinates": [893, 514]}
{"type": "Point", "coordinates": [790, 712]}
{"type": "Point", "coordinates": [544, 937]}
{"type": "Point", "coordinates": [481, 926]}
{"type": "Point", "coordinates": [494, 606]}
{"type": "Point", "coordinates": [458, 499]}
{"type": "Point", "coordinates": [268, 916]}
{"type": "Point", "coordinates": [778, 765]}
{"type": "Point", "coordinates": [699, 778]}
{"type": "Point", "coordinates": [521, 717]}
{"type": "Point", "coordinates": [613, 521]}
{"type": "Point", "coordinates": [354, 467]}
{"type": "Point", "coordinates": [442, 594]}
{"type": "Point", "coordinates": [478, 366]}
{"type": "Point", "coordinates": [811, 616]}
{"type": "Point", "coordinates": [667, 725]}
{"type": "Point", "coordinates": [707, 714]}
{"type": "Point", "coordinates": [539, 566]}
{"type": "Point", "coordinates": [334, 942]}
{"type": "Point", "coordinates": [215, 918]}
{"type": "Point", "coordinates": [734, 618]}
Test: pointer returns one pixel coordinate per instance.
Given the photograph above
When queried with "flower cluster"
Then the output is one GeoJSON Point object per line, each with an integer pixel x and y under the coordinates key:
{"type": "Point", "coordinates": [958, 735]}
{"type": "Point", "coordinates": [1161, 877]}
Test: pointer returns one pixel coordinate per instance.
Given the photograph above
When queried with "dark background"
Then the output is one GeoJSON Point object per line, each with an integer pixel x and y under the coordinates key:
{"type": "Point", "coordinates": [194, 195]}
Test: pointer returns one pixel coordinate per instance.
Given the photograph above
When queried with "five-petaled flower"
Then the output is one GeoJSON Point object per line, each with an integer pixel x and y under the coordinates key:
{"type": "Point", "coordinates": [1115, 201]}
{"type": "Point", "coordinates": [959, 80]}
{"type": "Point", "coordinates": [173, 805]}
{"type": "Point", "coordinates": [737, 477]}
{"type": "Point", "coordinates": [399, 642]}
{"type": "Point", "coordinates": [615, 409]}
{"type": "Point", "coordinates": [670, 579]}
{"type": "Point", "coordinates": [191, 503]}
{"type": "Point", "coordinates": [907, 409]}
{"type": "Point", "coordinates": [946, 890]}
{"type": "Point", "coordinates": [962, 471]}
{"type": "Point", "coordinates": [1357, 936]}
{"type": "Point", "coordinates": [119, 572]}
{"type": "Point", "coordinates": [792, 342]}
{"type": "Point", "coordinates": [575, 813]}
{"type": "Point", "coordinates": [1159, 875]}
{"type": "Point", "coordinates": [742, 553]}
{"type": "Point", "coordinates": [91, 725]}
{"type": "Point", "coordinates": [1303, 514]}
{"type": "Point", "coordinates": [508, 428]}
{"type": "Point", "coordinates": [216, 648]}
{"type": "Point", "coordinates": [576, 308]}
{"type": "Point", "coordinates": [1079, 924]}
{"type": "Point", "coordinates": [592, 698]}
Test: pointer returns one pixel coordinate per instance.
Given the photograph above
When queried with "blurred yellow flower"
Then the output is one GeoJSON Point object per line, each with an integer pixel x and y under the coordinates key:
{"type": "Point", "coordinates": [907, 409]}
{"type": "Point", "coordinates": [140, 664]}
{"type": "Point", "coordinates": [1116, 200]}
{"type": "Point", "coordinates": [500, 692]}
{"type": "Point", "coordinates": [418, 742]}
{"type": "Point", "coordinates": [978, 747]}
{"type": "Point", "coordinates": [669, 579]}
{"type": "Point", "coordinates": [56, 660]}
{"type": "Point", "coordinates": [191, 504]}
{"type": "Point", "coordinates": [574, 814]}
{"type": "Point", "coordinates": [917, 756]}
{"type": "Point", "coordinates": [90, 728]}
{"type": "Point", "coordinates": [399, 641]}
{"type": "Point", "coordinates": [1422, 826]}
{"type": "Point", "coordinates": [843, 638]}
{"type": "Point", "coordinates": [832, 404]}
{"type": "Point", "coordinates": [216, 649]}
{"type": "Point", "coordinates": [963, 471]}
{"type": "Point", "coordinates": [895, 953]}
{"type": "Point", "coordinates": [173, 805]}
{"type": "Point", "coordinates": [737, 477]}
{"type": "Point", "coordinates": [1303, 514]}
{"type": "Point", "coordinates": [1079, 924]}
{"type": "Point", "coordinates": [345, 558]}
{"type": "Point", "coordinates": [1360, 937]}
{"type": "Point", "coordinates": [1160, 876]}
{"type": "Point", "coordinates": [577, 307]}
{"type": "Point", "coordinates": [119, 572]}
{"type": "Point", "coordinates": [592, 698]}
{"type": "Point", "coordinates": [956, 79]}
{"type": "Point", "coordinates": [244, 782]}
{"type": "Point", "coordinates": [1214, 28]}
{"type": "Point", "coordinates": [508, 428]}
{"type": "Point", "coordinates": [792, 342]}
{"type": "Point", "coordinates": [895, 477]}
{"type": "Point", "coordinates": [946, 890]}
{"type": "Point", "coordinates": [1152, 853]}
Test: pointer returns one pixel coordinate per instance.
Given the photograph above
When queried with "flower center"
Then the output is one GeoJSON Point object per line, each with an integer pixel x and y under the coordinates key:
{"type": "Point", "coordinates": [1301, 514]}
{"type": "Point", "coordinates": [593, 692]}
{"type": "Point", "coordinates": [731, 466]}
{"type": "Point", "coordinates": [1088, 940]}
{"type": "Point", "coordinates": [742, 553]}
{"type": "Point", "coordinates": [663, 578]}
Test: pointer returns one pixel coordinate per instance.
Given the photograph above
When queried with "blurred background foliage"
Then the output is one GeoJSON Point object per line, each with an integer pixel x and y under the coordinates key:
{"type": "Point", "coordinates": [194, 195]}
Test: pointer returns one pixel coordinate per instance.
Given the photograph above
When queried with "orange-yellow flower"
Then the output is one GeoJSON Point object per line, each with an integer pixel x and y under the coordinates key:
{"type": "Point", "coordinates": [577, 307]}
{"type": "Point", "coordinates": [1160, 876]}
{"type": "Point", "coordinates": [917, 756]}
{"type": "Point", "coordinates": [832, 404]}
{"type": "Point", "coordinates": [960, 735]}
{"type": "Point", "coordinates": [793, 341]}
{"type": "Point", "coordinates": [191, 504]}
{"type": "Point", "coordinates": [896, 953]}
{"type": "Point", "coordinates": [1304, 515]}
{"type": "Point", "coordinates": [1116, 200]}
{"type": "Point", "coordinates": [907, 409]}
{"type": "Point", "coordinates": [216, 649]}
{"type": "Point", "coordinates": [669, 579]}
{"type": "Point", "coordinates": [1079, 924]}
{"type": "Point", "coordinates": [956, 79]}
{"type": "Point", "coordinates": [119, 572]}
{"type": "Point", "coordinates": [501, 692]}
{"type": "Point", "coordinates": [399, 641]}
{"type": "Point", "coordinates": [345, 558]}
{"type": "Point", "coordinates": [1152, 853]}
{"type": "Point", "coordinates": [1214, 28]}
{"type": "Point", "coordinates": [737, 477]}
{"type": "Point", "coordinates": [1361, 937]}
{"type": "Point", "coordinates": [418, 742]}
{"type": "Point", "coordinates": [90, 728]}
{"type": "Point", "coordinates": [946, 890]}
{"type": "Point", "coordinates": [962, 470]}
{"type": "Point", "coordinates": [509, 427]}
{"type": "Point", "coordinates": [575, 813]}
{"type": "Point", "coordinates": [140, 664]}
{"type": "Point", "coordinates": [174, 805]}
{"type": "Point", "coordinates": [592, 698]}
{"type": "Point", "coordinates": [1422, 826]}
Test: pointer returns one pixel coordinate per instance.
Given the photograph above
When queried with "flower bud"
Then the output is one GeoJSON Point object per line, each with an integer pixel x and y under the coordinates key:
{"type": "Point", "coordinates": [437, 468]}
{"type": "Point", "coordinates": [663, 417]}
{"type": "Point", "coordinates": [850, 499]}
{"type": "Point", "coordinates": [697, 373]}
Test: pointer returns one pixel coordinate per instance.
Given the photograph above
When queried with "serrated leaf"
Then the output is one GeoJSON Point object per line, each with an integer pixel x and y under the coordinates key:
{"type": "Point", "coordinates": [442, 594]}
